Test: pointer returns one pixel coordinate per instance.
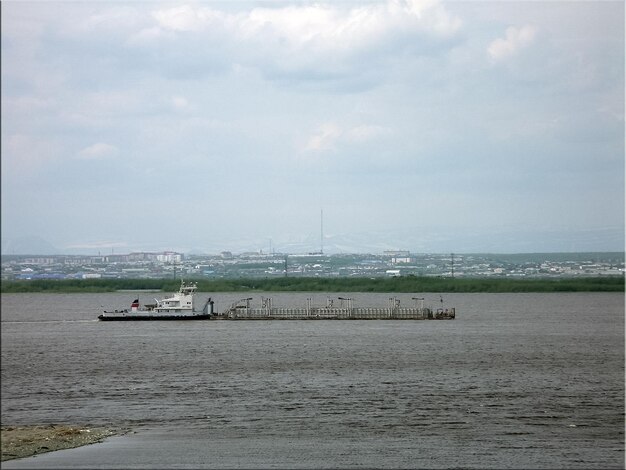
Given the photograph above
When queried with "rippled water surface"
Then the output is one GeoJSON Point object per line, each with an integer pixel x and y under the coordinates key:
{"type": "Point", "coordinates": [516, 381]}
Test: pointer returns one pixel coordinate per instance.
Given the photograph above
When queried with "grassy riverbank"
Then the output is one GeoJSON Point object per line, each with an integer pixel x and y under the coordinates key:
{"type": "Point", "coordinates": [314, 284]}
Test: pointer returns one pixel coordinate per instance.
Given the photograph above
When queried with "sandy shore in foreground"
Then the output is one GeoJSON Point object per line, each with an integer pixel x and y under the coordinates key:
{"type": "Point", "coordinates": [25, 441]}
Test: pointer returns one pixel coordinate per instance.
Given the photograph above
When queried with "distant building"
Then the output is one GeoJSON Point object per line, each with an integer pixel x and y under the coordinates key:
{"type": "Point", "coordinates": [91, 276]}
{"type": "Point", "coordinates": [404, 253]}
{"type": "Point", "coordinates": [141, 257]}
{"type": "Point", "coordinates": [40, 260]}
{"type": "Point", "coordinates": [116, 259]}
{"type": "Point", "coordinates": [169, 257]}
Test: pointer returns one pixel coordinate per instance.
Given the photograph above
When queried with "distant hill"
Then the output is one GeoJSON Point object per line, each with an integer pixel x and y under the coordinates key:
{"type": "Point", "coordinates": [437, 240]}
{"type": "Point", "coordinates": [416, 239]}
{"type": "Point", "coordinates": [32, 245]}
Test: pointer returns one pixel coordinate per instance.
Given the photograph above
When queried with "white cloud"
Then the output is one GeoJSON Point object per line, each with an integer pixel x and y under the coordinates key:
{"type": "Point", "coordinates": [25, 153]}
{"type": "Point", "coordinates": [180, 102]}
{"type": "Point", "coordinates": [330, 134]}
{"type": "Point", "coordinates": [97, 151]}
{"type": "Point", "coordinates": [325, 138]}
{"type": "Point", "coordinates": [28, 104]}
{"type": "Point", "coordinates": [110, 20]}
{"type": "Point", "coordinates": [364, 133]}
{"type": "Point", "coordinates": [145, 36]}
{"type": "Point", "coordinates": [97, 245]}
{"type": "Point", "coordinates": [328, 26]}
{"type": "Point", "coordinates": [515, 40]}
{"type": "Point", "coordinates": [321, 39]}
{"type": "Point", "coordinates": [186, 18]}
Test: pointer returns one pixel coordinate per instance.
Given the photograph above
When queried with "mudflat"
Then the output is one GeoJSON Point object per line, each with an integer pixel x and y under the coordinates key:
{"type": "Point", "coordinates": [25, 441]}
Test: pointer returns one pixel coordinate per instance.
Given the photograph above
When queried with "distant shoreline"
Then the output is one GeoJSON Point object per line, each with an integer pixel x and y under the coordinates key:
{"type": "Point", "coordinates": [404, 284]}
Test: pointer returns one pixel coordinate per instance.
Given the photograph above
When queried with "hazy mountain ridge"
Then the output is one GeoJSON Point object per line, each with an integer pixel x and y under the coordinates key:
{"type": "Point", "coordinates": [415, 240]}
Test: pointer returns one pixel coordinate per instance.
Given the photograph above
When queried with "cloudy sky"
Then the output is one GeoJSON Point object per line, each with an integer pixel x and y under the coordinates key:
{"type": "Point", "coordinates": [211, 126]}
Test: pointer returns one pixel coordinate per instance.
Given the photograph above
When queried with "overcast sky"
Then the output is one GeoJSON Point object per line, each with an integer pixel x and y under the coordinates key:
{"type": "Point", "coordinates": [196, 125]}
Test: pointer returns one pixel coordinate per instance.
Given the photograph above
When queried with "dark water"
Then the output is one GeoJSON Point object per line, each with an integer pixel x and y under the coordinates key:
{"type": "Point", "coordinates": [516, 381]}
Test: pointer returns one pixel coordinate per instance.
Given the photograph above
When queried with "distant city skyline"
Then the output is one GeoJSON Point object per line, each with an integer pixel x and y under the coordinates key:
{"type": "Point", "coordinates": [428, 126]}
{"type": "Point", "coordinates": [393, 263]}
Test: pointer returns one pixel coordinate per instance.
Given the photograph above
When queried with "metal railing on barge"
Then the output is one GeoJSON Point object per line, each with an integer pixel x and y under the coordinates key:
{"type": "Point", "coordinates": [242, 310]}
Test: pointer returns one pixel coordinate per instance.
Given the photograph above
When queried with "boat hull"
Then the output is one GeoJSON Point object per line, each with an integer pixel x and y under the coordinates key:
{"type": "Point", "coordinates": [152, 317]}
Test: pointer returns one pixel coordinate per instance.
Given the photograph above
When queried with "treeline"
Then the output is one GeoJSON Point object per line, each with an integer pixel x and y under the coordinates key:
{"type": "Point", "coordinates": [405, 284]}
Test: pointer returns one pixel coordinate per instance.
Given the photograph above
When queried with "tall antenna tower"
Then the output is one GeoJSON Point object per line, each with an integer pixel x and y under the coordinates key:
{"type": "Point", "coordinates": [452, 263]}
{"type": "Point", "coordinates": [322, 231]}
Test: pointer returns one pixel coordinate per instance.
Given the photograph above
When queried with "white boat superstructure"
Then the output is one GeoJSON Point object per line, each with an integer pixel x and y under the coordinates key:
{"type": "Point", "coordinates": [180, 302]}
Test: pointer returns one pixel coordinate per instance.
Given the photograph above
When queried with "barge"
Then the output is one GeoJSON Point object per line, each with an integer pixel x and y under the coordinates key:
{"type": "Point", "coordinates": [242, 310]}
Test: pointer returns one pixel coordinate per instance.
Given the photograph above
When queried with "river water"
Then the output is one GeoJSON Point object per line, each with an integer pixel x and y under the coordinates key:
{"type": "Point", "coordinates": [516, 381]}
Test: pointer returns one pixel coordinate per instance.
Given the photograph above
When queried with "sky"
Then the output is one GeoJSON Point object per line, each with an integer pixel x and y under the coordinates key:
{"type": "Point", "coordinates": [208, 126]}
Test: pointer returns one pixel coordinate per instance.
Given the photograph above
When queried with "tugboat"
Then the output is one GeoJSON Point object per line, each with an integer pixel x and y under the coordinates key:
{"type": "Point", "coordinates": [177, 307]}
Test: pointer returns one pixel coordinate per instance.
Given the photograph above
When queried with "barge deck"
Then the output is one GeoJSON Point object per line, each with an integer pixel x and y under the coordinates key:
{"type": "Point", "coordinates": [242, 310]}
